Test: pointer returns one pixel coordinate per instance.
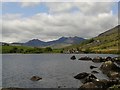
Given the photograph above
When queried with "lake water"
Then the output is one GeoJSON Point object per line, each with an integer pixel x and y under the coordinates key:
{"type": "Point", "coordinates": [55, 70]}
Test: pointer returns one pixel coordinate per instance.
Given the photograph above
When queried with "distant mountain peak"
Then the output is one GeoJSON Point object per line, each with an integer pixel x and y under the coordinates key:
{"type": "Point", "coordinates": [35, 40]}
{"type": "Point", "coordinates": [62, 40]}
{"type": "Point", "coordinates": [76, 37]}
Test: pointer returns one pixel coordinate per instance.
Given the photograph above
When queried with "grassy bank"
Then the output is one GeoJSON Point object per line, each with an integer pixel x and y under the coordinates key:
{"type": "Point", "coordinates": [28, 50]}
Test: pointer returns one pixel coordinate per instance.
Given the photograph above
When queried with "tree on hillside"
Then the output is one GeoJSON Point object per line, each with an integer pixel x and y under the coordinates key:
{"type": "Point", "coordinates": [37, 50]}
{"type": "Point", "coordinates": [48, 49]}
{"type": "Point", "coordinates": [14, 50]}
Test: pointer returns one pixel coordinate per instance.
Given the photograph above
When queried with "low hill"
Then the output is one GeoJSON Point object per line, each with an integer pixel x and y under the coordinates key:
{"type": "Point", "coordinates": [106, 42]}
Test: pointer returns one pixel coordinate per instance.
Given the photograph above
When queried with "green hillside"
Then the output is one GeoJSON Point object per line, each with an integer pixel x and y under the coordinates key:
{"type": "Point", "coordinates": [106, 42]}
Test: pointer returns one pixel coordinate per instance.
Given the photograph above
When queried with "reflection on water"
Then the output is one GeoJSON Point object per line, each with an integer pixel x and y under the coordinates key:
{"type": "Point", "coordinates": [55, 70]}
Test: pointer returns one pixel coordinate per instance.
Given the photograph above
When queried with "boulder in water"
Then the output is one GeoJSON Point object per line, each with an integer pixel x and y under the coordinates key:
{"type": "Point", "coordinates": [85, 58]}
{"type": "Point", "coordinates": [81, 75]}
{"type": "Point", "coordinates": [73, 57]}
{"type": "Point", "coordinates": [109, 59]}
{"type": "Point", "coordinates": [36, 78]}
{"type": "Point", "coordinates": [91, 67]}
{"type": "Point", "coordinates": [90, 78]}
{"type": "Point", "coordinates": [97, 59]}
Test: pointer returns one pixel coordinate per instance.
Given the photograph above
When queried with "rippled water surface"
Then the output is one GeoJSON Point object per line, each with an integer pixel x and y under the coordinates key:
{"type": "Point", "coordinates": [55, 70]}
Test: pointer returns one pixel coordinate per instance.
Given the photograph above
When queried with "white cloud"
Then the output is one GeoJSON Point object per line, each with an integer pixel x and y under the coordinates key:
{"type": "Point", "coordinates": [84, 7]}
{"type": "Point", "coordinates": [60, 0]}
{"type": "Point", "coordinates": [90, 21]}
{"type": "Point", "coordinates": [29, 4]}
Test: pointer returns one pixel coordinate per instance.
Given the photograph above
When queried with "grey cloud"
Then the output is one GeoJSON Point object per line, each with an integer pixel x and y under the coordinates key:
{"type": "Point", "coordinates": [85, 7]}
{"type": "Point", "coordinates": [46, 27]}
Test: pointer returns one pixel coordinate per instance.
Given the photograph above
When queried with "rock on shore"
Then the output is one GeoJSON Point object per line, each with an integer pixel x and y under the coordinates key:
{"type": "Point", "coordinates": [110, 69]}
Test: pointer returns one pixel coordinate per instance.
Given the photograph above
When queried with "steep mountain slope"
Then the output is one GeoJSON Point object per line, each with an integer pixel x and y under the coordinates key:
{"type": "Point", "coordinates": [35, 42]}
{"type": "Point", "coordinates": [106, 42]}
{"type": "Point", "coordinates": [67, 40]}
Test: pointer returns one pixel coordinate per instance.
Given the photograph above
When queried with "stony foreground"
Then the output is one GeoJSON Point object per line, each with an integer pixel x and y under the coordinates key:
{"type": "Point", "coordinates": [110, 67]}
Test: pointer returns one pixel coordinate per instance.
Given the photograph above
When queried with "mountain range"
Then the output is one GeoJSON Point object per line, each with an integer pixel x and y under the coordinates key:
{"type": "Point", "coordinates": [106, 42]}
{"type": "Point", "coordinates": [61, 42]}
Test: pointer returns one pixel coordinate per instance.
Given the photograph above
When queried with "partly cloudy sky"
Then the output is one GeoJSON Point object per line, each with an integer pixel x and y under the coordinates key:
{"type": "Point", "coordinates": [23, 21]}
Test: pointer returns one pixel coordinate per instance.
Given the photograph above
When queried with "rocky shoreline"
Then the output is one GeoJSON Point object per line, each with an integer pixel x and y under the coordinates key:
{"type": "Point", "coordinates": [110, 67]}
{"type": "Point", "coordinates": [97, 59]}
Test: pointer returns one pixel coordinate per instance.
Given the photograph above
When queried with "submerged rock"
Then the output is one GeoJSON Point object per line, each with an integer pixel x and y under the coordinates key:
{"type": "Point", "coordinates": [81, 75]}
{"type": "Point", "coordinates": [85, 77]}
{"type": "Point", "coordinates": [73, 57]}
{"type": "Point", "coordinates": [36, 78]}
{"type": "Point", "coordinates": [59, 86]}
{"type": "Point", "coordinates": [85, 58]}
{"type": "Point", "coordinates": [94, 72]}
{"type": "Point", "coordinates": [91, 67]}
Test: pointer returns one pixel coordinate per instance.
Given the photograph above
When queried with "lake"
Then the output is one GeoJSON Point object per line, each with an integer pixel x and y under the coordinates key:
{"type": "Point", "coordinates": [55, 69]}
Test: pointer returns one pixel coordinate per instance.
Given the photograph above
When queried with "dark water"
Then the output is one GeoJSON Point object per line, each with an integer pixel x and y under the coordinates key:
{"type": "Point", "coordinates": [55, 69]}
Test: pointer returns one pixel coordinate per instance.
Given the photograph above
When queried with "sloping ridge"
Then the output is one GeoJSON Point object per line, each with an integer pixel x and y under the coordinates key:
{"type": "Point", "coordinates": [111, 31]}
{"type": "Point", "coordinates": [105, 42]}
